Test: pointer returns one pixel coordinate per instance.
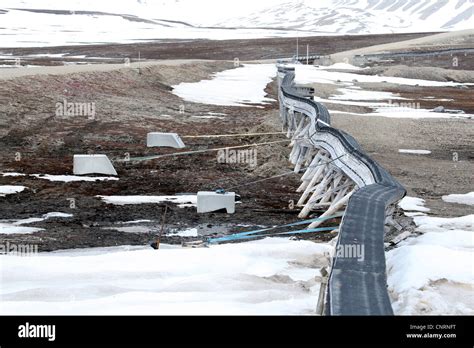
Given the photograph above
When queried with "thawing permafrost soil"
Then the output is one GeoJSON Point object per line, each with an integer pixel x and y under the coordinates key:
{"type": "Point", "coordinates": [433, 273]}
{"type": "Point", "coordinates": [243, 86]}
{"type": "Point", "coordinates": [269, 276]}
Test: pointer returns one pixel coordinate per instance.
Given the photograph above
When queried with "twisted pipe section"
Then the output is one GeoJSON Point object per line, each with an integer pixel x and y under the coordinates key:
{"type": "Point", "coordinates": [357, 285]}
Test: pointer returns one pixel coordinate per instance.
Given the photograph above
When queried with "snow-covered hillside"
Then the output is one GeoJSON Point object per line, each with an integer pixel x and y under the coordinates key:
{"type": "Point", "coordinates": [364, 16]}
{"type": "Point", "coordinates": [66, 22]}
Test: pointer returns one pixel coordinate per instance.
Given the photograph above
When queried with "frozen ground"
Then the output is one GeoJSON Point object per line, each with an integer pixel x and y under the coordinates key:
{"type": "Point", "coordinates": [269, 276]}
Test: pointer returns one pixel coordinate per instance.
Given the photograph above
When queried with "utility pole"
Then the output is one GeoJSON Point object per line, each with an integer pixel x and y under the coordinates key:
{"type": "Point", "coordinates": [307, 54]}
{"type": "Point", "coordinates": [139, 68]}
{"type": "Point", "coordinates": [297, 46]}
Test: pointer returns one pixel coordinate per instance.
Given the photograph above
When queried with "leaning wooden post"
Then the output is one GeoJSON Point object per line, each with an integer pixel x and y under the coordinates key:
{"type": "Point", "coordinates": [322, 291]}
{"type": "Point", "coordinates": [162, 228]}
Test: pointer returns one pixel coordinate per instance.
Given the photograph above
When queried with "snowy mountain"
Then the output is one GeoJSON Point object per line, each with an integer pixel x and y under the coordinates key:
{"type": "Point", "coordinates": [363, 16]}
{"type": "Point", "coordinates": [68, 22]}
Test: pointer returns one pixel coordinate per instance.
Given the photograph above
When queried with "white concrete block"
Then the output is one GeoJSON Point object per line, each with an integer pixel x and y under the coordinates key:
{"type": "Point", "coordinates": [209, 201]}
{"type": "Point", "coordinates": [93, 164]}
{"type": "Point", "coordinates": [164, 140]}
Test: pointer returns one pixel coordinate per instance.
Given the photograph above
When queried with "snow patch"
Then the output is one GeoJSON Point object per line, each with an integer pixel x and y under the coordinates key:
{"type": "Point", "coordinates": [413, 204]}
{"type": "Point", "coordinates": [16, 226]}
{"type": "Point", "coordinates": [72, 178]}
{"type": "Point", "coordinates": [467, 198]}
{"type": "Point", "coordinates": [243, 86]}
{"type": "Point", "coordinates": [182, 201]}
{"type": "Point", "coordinates": [10, 189]}
{"type": "Point", "coordinates": [415, 152]}
{"type": "Point", "coordinates": [190, 232]}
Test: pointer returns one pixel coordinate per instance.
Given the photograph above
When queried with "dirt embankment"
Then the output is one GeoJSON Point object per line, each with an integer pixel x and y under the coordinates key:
{"type": "Point", "coordinates": [422, 73]}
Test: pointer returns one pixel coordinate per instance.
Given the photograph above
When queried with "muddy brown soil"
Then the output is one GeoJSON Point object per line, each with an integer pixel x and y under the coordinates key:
{"type": "Point", "coordinates": [129, 104]}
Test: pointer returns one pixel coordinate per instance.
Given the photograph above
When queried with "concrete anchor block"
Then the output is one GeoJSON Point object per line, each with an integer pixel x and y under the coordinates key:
{"type": "Point", "coordinates": [93, 164]}
{"type": "Point", "coordinates": [155, 139]}
{"type": "Point", "coordinates": [209, 201]}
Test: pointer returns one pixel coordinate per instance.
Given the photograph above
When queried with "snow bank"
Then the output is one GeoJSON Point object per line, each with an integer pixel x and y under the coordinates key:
{"type": "Point", "coordinates": [433, 273]}
{"type": "Point", "coordinates": [269, 276]}
{"type": "Point", "coordinates": [242, 86]}
{"type": "Point", "coordinates": [467, 198]}
{"type": "Point", "coordinates": [439, 224]}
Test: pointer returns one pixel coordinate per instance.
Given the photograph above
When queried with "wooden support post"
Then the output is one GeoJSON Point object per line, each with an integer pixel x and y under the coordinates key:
{"type": "Point", "coordinates": [322, 291]}
{"type": "Point", "coordinates": [301, 158]}
{"type": "Point", "coordinates": [333, 208]}
{"type": "Point", "coordinates": [319, 188]}
{"type": "Point", "coordinates": [318, 176]}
